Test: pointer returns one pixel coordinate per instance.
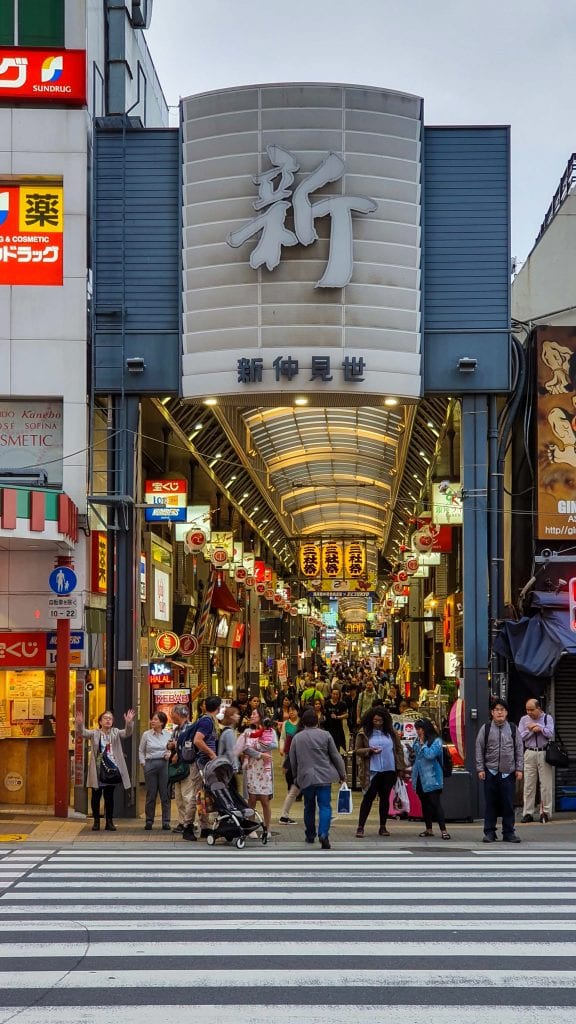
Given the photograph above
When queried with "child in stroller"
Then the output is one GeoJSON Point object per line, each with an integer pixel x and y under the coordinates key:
{"type": "Point", "coordinates": [235, 819]}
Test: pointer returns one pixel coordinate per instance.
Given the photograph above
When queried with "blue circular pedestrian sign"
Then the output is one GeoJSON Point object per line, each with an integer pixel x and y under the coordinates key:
{"type": "Point", "coordinates": [62, 580]}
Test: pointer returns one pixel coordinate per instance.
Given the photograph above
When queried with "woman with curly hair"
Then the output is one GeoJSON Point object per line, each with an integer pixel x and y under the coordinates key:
{"type": "Point", "coordinates": [380, 761]}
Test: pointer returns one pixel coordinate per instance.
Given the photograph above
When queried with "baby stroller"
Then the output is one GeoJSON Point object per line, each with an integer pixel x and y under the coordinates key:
{"type": "Point", "coordinates": [235, 819]}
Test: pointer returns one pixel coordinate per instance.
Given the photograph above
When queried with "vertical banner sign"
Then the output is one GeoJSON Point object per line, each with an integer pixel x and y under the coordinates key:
{"type": "Point", "coordinates": [99, 577]}
{"type": "Point", "coordinates": [31, 232]}
{"type": "Point", "coordinates": [556, 386]}
{"type": "Point", "coordinates": [332, 559]}
{"type": "Point", "coordinates": [205, 610]}
{"type": "Point", "coordinates": [354, 559]}
{"type": "Point", "coordinates": [79, 744]}
{"type": "Point", "coordinates": [310, 560]}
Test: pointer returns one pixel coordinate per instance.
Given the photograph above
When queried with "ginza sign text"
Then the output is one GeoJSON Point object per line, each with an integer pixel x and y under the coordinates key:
{"type": "Point", "coordinates": [276, 198]}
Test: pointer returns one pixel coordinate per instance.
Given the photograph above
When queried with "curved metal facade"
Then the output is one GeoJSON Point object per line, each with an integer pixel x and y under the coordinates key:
{"type": "Point", "coordinates": [233, 311]}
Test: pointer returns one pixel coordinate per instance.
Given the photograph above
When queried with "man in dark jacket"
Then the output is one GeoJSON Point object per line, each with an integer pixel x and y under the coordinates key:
{"type": "Point", "coordinates": [316, 764]}
{"type": "Point", "coordinates": [499, 763]}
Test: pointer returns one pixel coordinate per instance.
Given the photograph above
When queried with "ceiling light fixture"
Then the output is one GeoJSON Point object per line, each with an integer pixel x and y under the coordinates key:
{"type": "Point", "coordinates": [390, 401]}
{"type": "Point", "coordinates": [210, 401]}
{"type": "Point", "coordinates": [301, 401]}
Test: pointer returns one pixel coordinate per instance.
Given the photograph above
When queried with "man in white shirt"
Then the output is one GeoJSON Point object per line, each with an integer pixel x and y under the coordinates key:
{"type": "Point", "coordinates": [536, 730]}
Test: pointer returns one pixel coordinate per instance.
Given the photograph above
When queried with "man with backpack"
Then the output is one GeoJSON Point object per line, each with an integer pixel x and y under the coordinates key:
{"type": "Point", "coordinates": [204, 737]}
{"type": "Point", "coordinates": [499, 763]}
{"type": "Point", "coordinates": [183, 789]}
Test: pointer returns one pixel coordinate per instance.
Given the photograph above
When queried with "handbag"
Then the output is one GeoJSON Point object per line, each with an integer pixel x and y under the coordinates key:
{"type": "Point", "coordinates": [178, 772]}
{"type": "Point", "coordinates": [556, 753]}
{"type": "Point", "coordinates": [345, 805]}
{"type": "Point", "coordinates": [108, 772]}
{"type": "Point", "coordinates": [401, 798]}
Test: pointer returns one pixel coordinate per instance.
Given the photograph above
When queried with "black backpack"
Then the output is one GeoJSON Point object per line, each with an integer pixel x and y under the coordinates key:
{"type": "Point", "coordinates": [513, 728]}
{"type": "Point", "coordinates": [447, 763]}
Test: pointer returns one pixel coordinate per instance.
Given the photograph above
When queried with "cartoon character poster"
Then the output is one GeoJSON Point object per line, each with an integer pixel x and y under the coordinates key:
{"type": "Point", "coordinates": [556, 415]}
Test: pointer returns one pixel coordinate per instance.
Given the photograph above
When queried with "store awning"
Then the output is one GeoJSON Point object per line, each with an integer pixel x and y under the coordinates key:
{"type": "Point", "coordinates": [536, 643]}
{"type": "Point", "coordinates": [223, 600]}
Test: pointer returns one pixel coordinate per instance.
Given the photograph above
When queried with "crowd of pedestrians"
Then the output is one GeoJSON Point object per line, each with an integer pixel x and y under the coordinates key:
{"type": "Point", "coordinates": [314, 722]}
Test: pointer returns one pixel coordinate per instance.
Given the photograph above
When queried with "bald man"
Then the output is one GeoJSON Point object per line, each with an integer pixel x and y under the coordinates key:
{"type": "Point", "coordinates": [536, 730]}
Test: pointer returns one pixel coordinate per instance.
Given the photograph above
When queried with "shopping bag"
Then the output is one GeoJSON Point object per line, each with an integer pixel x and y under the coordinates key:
{"type": "Point", "coordinates": [345, 800]}
{"type": "Point", "coordinates": [401, 798]}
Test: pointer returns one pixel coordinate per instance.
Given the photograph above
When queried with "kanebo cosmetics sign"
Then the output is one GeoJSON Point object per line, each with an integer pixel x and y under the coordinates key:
{"type": "Point", "coordinates": [301, 242]}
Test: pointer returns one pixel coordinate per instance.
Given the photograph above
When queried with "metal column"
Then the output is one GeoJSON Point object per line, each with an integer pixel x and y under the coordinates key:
{"type": "Point", "coordinates": [475, 575]}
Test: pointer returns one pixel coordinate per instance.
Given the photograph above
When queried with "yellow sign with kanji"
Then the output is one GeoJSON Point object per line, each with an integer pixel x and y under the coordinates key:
{"type": "Point", "coordinates": [332, 559]}
{"type": "Point", "coordinates": [354, 559]}
{"type": "Point", "coordinates": [310, 560]}
{"type": "Point", "coordinates": [355, 627]}
{"type": "Point", "coordinates": [31, 232]}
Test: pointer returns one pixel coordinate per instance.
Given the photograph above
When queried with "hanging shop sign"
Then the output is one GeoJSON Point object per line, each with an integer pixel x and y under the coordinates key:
{"type": "Point", "coordinates": [248, 561]}
{"type": "Point", "coordinates": [260, 587]}
{"type": "Point", "coordinates": [222, 540]}
{"type": "Point", "coordinates": [31, 231]}
{"type": "Point", "coordinates": [167, 500]}
{"type": "Point", "coordinates": [99, 562]}
{"type": "Point", "coordinates": [194, 541]}
{"type": "Point", "coordinates": [219, 557]}
{"type": "Point", "coordinates": [556, 432]}
{"type": "Point", "coordinates": [188, 645]}
{"type": "Point", "coordinates": [240, 574]}
{"type": "Point", "coordinates": [332, 560]}
{"type": "Point", "coordinates": [356, 628]}
{"type": "Point", "coordinates": [55, 77]}
{"type": "Point", "coordinates": [269, 593]}
{"type": "Point", "coordinates": [354, 559]}
{"type": "Point", "coordinates": [250, 582]}
{"type": "Point", "coordinates": [167, 643]}
{"type": "Point", "coordinates": [198, 517]}
{"type": "Point", "coordinates": [447, 509]}
{"type": "Point", "coordinates": [164, 700]}
{"type": "Point", "coordinates": [236, 635]}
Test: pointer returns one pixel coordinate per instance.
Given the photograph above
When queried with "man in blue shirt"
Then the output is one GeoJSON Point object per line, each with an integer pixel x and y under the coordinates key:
{"type": "Point", "coordinates": [205, 743]}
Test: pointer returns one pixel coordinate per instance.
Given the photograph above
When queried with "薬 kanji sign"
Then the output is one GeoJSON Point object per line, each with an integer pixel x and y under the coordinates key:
{"type": "Point", "coordinates": [31, 232]}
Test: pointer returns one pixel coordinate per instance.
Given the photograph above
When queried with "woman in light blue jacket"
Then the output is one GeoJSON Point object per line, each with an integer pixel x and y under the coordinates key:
{"type": "Point", "coordinates": [428, 777]}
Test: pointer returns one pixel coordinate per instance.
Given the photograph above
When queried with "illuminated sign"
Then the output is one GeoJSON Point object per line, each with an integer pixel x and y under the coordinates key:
{"type": "Point", "coordinates": [44, 76]}
{"type": "Point", "coordinates": [168, 499]}
{"type": "Point", "coordinates": [31, 232]}
{"type": "Point", "coordinates": [99, 562]}
{"type": "Point", "coordinates": [31, 436]}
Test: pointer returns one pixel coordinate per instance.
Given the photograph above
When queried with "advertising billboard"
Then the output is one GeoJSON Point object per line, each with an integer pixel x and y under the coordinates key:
{"type": "Point", "coordinates": [43, 76]}
{"type": "Point", "coordinates": [31, 231]}
{"type": "Point", "coordinates": [556, 432]}
{"type": "Point", "coordinates": [31, 436]}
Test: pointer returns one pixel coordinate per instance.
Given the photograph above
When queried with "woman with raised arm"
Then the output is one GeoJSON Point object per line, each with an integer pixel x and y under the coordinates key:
{"type": "Point", "coordinates": [106, 767]}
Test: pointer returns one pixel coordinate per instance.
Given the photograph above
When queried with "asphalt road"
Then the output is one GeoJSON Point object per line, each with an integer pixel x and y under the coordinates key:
{"type": "Point", "coordinates": [137, 934]}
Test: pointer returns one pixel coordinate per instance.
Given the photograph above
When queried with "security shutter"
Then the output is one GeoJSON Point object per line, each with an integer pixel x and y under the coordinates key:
{"type": "Point", "coordinates": [565, 720]}
{"type": "Point", "coordinates": [565, 702]}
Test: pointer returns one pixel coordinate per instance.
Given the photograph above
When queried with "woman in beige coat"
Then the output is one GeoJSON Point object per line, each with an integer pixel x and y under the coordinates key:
{"type": "Point", "coordinates": [105, 740]}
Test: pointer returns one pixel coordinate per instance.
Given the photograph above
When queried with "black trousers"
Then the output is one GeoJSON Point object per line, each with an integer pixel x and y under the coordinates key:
{"type": "Point", "coordinates": [431, 807]}
{"type": "Point", "coordinates": [381, 786]}
{"type": "Point", "coordinates": [108, 793]}
{"type": "Point", "coordinates": [499, 797]}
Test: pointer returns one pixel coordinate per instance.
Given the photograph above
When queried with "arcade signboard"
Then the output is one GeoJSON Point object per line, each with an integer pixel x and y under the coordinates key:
{"type": "Point", "coordinates": [556, 425]}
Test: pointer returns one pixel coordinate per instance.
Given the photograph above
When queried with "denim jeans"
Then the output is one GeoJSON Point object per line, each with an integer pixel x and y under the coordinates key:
{"type": "Point", "coordinates": [320, 795]}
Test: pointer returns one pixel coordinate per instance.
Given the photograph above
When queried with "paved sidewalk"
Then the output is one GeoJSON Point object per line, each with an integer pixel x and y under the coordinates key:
{"type": "Point", "coordinates": [46, 829]}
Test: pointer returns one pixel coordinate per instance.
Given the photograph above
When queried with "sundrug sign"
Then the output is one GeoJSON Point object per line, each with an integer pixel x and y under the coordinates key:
{"type": "Point", "coordinates": [44, 76]}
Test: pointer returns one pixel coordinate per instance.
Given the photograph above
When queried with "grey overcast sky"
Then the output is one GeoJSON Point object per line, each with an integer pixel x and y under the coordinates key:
{"type": "Point", "coordinates": [482, 62]}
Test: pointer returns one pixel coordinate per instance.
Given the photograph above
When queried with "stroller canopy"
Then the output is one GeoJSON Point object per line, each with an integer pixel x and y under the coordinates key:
{"type": "Point", "coordinates": [218, 772]}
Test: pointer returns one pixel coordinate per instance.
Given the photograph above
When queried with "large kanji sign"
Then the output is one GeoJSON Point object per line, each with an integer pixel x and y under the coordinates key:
{"type": "Point", "coordinates": [31, 232]}
{"type": "Point", "coordinates": [43, 76]}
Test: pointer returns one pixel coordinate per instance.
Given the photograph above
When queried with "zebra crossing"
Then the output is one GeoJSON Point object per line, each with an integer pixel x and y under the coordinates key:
{"type": "Point", "coordinates": [139, 936]}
